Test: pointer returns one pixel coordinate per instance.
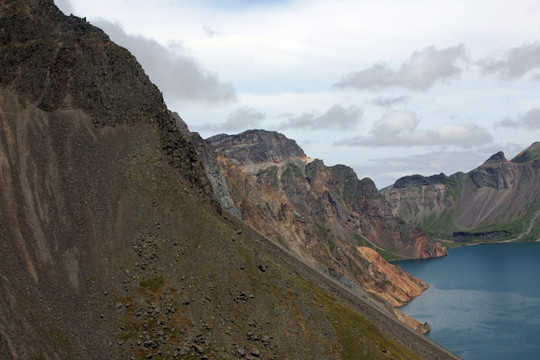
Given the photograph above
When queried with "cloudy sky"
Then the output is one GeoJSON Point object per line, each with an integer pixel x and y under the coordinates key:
{"type": "Point", "coordinates": [388, 87]}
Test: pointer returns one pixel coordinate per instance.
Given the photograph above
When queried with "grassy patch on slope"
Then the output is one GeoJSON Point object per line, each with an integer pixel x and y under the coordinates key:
{"type": "Point", "coordinates": [358, 338]}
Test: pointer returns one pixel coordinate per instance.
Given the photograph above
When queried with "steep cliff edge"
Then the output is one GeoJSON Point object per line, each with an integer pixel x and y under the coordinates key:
{"type": "Point", "coordinates": [111, 240]}
{"type": "Point", "coordinates": [331, 197]}
{"type": "Point", "coordinates": [323, 214]}
{"type": "Point", "coordinates": [496, 201]}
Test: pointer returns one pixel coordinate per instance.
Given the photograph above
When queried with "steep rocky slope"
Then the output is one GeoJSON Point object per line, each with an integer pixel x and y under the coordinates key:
{"type": "Point", "coordinates": [496, 201]}
{"type": "Point", "coordinates": [323, 214]}
{"type": "Point", "coordinates": [112, 243]}
{"type": "Point", "coordinates": [332, 197]}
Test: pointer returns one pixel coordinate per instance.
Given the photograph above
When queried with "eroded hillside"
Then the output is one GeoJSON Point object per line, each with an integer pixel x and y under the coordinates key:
{"type": "Point", "coordinates": [112, 243]}
{"type": "Point", "coordinates": [332, 197]}
{"type": "Point", "coordinates": [498, 201]}
{"type": "Point", "coordinates": [325, 215]}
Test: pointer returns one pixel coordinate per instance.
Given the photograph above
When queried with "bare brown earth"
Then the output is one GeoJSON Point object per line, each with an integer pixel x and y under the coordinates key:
{"type": "Point", "coordinates": [113, 253]}
{"type": "Point", "coordinates": [111, 241]}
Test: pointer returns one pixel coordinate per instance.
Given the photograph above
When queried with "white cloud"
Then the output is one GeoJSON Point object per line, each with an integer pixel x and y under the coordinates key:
{"type": "Point", "coordinates": [516, 63]}
{"type": "Point", "coordinates": [386, 170]}
{"type": "Point", "coordinates": [529, 120]}
{"type": "Point", "coordinates": [395, 123]}
{"type": "Point", "coordinates": [389, 101]}
{"type": "Point", "coordinates": [284, 59]}
{"type": "Point", "coordinates": [180, 77]}
{"type": "Point", "coordinates": [64, 6]}
{"type": "Point", "coordinates": [532, 119]}
{"type": "Point", "coordinates": [400, 129]}
{"type": "Point", "coordinates": [241, 119]}
{"type": "Point", "coordinates": [419, 72]}
{"type": "Point", "coordinates": [209, 31]}
{"type": "Point", "coordinates": [337, 116]}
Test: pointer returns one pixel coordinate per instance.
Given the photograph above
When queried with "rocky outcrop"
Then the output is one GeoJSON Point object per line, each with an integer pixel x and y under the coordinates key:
{"type": "Point", "coordinates": [268, 210]}
{"type": "Point", "coordinates": [256, 146]}
{"type": "Point", "coordinates": [332, 197]}
{"type": "Point", "coordinates": [419, 180]}
{"type": "Point", "coordinates": [322, 214]}
{"type": "Point", "coordinates": [496, 172]}
{"type": "Point", "coordinates": [496, 201]}
{"type": "Point", "coordinates": [215, 175]}
{"type": "Point", "coordinates": [110, 239]}
{"type": "Point", "coordinates": [465, 237]}
{"type": "Point", "coordinates": [394, 276]}
{"type": "Point", "coordinates": [60, 62]}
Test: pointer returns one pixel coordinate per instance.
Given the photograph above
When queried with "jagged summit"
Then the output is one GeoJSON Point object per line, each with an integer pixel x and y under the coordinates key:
{"type": "Point", "coordinates": [65, 62]}
{"type": "Point", "coordinates": [256, 146]}
{"type": "Point", "coordinates": [532, 153]}
{"type": "Point", "coordinates": [286, 195]}
{"type": "Point", "coordinates": [420, 180]}
{"type": "Point", "coordinates": [62, 62]}
{"type": "Point", "coordinates": [499, 194]}
{"type": "Point", "coordinates": [496, 158]}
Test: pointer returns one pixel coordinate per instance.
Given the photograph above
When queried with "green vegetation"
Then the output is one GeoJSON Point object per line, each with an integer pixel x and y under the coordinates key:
{"type": "Point", "coordinates": [453, 187]}
{"type": "Point", "coordinates": [441, 226]}
{"type": "Point", "coordinates": [291, 172]}
{"type": "Point", "coordinates": [517, 226]}
{"type": "Point", "coordinates": [385, 254]}
{"type": "Point", "coordinates": [442, 229]}
{"type": "Point", "coordinates": [449, 243]}
{"type": "Point", "coordinates": [327, 237]}
{"type": "Point", "coordinates": [530, 154]}
{"type": "Point", "coordinates": [151, 284]}
{"type": "Point", "coordinates": [269, 177]}
{"type": "Point", "coordinates": [359, 339]}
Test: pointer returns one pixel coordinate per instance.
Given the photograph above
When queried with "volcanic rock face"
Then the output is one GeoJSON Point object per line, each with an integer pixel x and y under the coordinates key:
{"type": "Point", "coordinates": [111, 240]}
{"type": "Point", "coordinates": [499, 199]}
{"type": "Point", "coordinates": [329, 196]}
{"type": "Point", "coordinates": [214, 174]}
{"type": "Point", "coordinates": [321, 213]}
{"type": "Point", "coordinates": [256, 147]}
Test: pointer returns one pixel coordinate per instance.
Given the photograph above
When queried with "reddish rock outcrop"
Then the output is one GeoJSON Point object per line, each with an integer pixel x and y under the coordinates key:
{"type": "Point", "coordinates": [322, 214]}
{"type": "Point", "coordinates": [332, 197]}
{"type": "Point", "coordinates": [400, 287]}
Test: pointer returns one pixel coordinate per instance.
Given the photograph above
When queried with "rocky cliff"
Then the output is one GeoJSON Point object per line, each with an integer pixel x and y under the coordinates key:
{"type": "Point", "coordinates": [496, 201]}
{"type": "Point", "coordinates": [112, 242]}
{"type": "Point", "coordinates": [332, 197]}
{"type": "Point", "coordinates": [323, 214]}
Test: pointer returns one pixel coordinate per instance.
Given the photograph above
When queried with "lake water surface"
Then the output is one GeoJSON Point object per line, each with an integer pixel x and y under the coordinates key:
{"type": "Point", "coordinates": [484, 301]}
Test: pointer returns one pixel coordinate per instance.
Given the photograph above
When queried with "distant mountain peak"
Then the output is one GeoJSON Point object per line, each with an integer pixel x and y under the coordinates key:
{"type": "Point", "coordinates": [496, 158]}
{"type": "Point", "coordinates": [419, 180]}
{"type": "Point", "coordinates": [529, 154]}
{"type": "Point", "coordinates": [256, 146]}
{"type": "Point", "coordinates": [499, 194]}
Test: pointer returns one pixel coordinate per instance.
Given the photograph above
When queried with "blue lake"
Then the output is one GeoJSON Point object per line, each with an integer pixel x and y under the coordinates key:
{"type": "Point", "coordinates": [484, 301]}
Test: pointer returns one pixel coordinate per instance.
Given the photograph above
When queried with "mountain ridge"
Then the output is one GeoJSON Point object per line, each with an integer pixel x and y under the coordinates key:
{"type": "Point", "coordinates": [325, 215]}
{"type": "Point", "coordinates": [497, 197]}
{"type": "Point", "coordinates": [531, 153]}
{"type": "Point", "coordinates": [113, 243]}
{"type": "Point", "coordinates": [261, 155]}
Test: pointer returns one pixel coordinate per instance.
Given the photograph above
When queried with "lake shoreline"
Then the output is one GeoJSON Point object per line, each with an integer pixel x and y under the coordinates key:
{"type": "Point", "coordinates": [483, 301]}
